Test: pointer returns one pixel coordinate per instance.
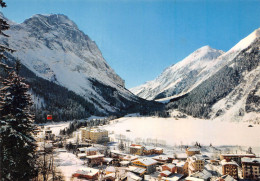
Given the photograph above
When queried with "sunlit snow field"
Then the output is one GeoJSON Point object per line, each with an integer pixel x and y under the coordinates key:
{"type": "Point", "coordinates": [187, 131]}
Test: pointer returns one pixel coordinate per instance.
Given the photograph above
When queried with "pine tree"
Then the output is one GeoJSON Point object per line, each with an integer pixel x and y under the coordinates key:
{"type": "Point", "coordinates": [17, 144]}
{"type": "Point", "coordinates": [17, 157]}
{"type": "Point", "coordinates": [3, 26]}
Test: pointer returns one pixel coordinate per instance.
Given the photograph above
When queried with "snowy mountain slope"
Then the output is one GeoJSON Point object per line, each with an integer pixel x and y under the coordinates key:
{"type": "Point", "coordinates": [54, 49]}
{"type": "Point", "coordinates": [184, 76]}
{"type": "Point", "coordinates": [232, 93]}
{"type": "Point", "coordinates": [179, 78]}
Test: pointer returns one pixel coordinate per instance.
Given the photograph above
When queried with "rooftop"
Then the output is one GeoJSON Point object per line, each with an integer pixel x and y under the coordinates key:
{"type": "Point", "coordinates": [224, 162]}
{"type": "Point", "coordinates": [244, 155]}
{"type": "Point", "coordinates": [87, 171]}
{"type": "Point", "coordinates": [166, 172]}
{"type": "Point", "coordinates": [95, 156]}
{"type": "Point", "coordinates": [146, 161]}
{"type": "Point", "coordinates": [250, 160]}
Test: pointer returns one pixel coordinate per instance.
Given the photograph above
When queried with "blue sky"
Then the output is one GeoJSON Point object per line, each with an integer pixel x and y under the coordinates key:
{"type": "Point", "coordinates": [140, 38]}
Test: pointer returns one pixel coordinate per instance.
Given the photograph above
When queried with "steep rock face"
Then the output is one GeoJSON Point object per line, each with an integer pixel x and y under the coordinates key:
{"type": "Point", "coordinates": [57, 55]}
{"type": "Point", "coordinates": [181, 77]}
{"type": "Point", "coordinates": [51, 42]}
{"type": "Point", "coordinates": [232, 93]}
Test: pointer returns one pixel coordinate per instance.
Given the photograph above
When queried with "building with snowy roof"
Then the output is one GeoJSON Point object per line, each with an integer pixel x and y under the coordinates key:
{"type": "Point", "coordinates": [96, 135]}
{"type": "Point", "coordinates": [130, 157]}
{"type": "Point", "coordinates": [87, 173]}
{"type": "Point", "coordinates": [192, 151]}
{"type": "Point", "coordinates": [251, 168]}
{"type": "Point", "coordinates": [137, 170]}
{"type": "Point", "coordinates": [236, 157]}
{"type": "Point", "coordinates": [181, 166]}
{"type": "Point", "coordinates": [204, 174]}
{"type": "Point", "coordinates": [165, 173]}
{"type": "Point", "coordinates": [230, 168]}
{"type": "Point", "coordinates": [148, 163]}
{"type": "Point", "coordinates": [170, 167]}
{"type": "Point", "coordinates": [161, 158]}
{"type": "Point", "coordinates": [136, 149]}
{"type": "Point", "coordinates": [195, 163]}
{"type": "Point", "coordinates": [158, 150]}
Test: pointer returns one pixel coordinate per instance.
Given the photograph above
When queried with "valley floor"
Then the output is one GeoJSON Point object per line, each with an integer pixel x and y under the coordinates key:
{"type": "Point", "coordinates": [169, 134]}
{"type": "Point", "coordinates": [187, 131]}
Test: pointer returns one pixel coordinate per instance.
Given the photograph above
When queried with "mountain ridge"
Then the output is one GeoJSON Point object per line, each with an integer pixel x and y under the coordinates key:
{"type": "Point", "coordinates": [168, 82]}
{"type": "Point", "coordinates": [51, 47]}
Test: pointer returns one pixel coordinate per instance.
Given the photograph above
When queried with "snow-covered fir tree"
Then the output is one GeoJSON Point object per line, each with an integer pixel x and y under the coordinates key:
{"type": "Point", "coordinates": [17, 144]}
{"type": "Point", "coordinates": [3, 26]}
{"type": "Point", "coordinates": [17, 159]}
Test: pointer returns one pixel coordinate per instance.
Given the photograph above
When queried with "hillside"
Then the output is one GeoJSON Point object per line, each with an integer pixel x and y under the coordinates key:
{"type": "Point", "coordinates": [181, 77]}
{"type": "Point", "coordinates": [67, 73]}
{"type": "Point", "coordinates": [232, 93]}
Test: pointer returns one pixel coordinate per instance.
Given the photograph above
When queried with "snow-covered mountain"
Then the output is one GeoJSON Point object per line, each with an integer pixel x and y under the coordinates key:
{"type": "Point", "coordinates": [232, 92]}
{"type": "Point", "coordinates": [54, 49]}
{"type": "Point", "coordinates": [181, 77]}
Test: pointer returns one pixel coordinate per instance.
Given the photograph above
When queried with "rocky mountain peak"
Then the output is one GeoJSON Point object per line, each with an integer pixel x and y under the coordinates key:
{"type": "Point", "coordinates": [50, 21]}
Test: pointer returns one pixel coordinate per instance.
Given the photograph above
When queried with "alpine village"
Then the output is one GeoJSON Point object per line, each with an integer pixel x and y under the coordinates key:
{"type": "Point", "coordinates": [65, 115]}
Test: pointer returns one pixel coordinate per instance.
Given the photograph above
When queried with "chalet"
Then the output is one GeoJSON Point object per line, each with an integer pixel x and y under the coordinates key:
{"type": "Point", "coordinates": [136, 149]}
{"type": "Point", "coordinates": [181, 167]}
{"type": "Point", "coordinates": [158, 151]}
{"type": "Point", "coordinates": [170, 167]}
{"type": "Point", "coordinates": [95, 159]}
{"type": "Point", "coordinates": [161, 159]}
{"type": "Point", "coordinates": [148, 150]}
{"type": "Point", "coordinates": [91, 151]}
{"type": "Point", "coordinates": [148, 163]}
{"type": "Point", "coordinates": [230, 168]}
{"type": "Point", "coordinates": [251, 168]}
{"type": "Point", "coordinates": [130, 157]}
{"type": "Point", "coordinates": [87, 173]}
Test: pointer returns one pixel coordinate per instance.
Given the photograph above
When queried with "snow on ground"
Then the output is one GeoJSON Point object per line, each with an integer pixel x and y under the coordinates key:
{"type": "Point", "coordinates": [56, 127]}
{"type": "Point", "coordinates": [187, 131]}
{"type": "Point", "coordinates": [68, 164]}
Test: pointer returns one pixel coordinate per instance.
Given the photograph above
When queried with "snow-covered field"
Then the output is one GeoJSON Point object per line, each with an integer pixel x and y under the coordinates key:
{"type": "Point", "coordinates": [56, 127]}
{"type": "Point", "coordinates": [68, 164]}
{"type": "Point", "coordinates": [187, 131]}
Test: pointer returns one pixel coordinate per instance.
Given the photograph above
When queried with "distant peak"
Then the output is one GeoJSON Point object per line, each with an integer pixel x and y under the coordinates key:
{"type": "Point", "coordinates": [52, 19]}
{"type": "Point", "coordinates": [207, 49]}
